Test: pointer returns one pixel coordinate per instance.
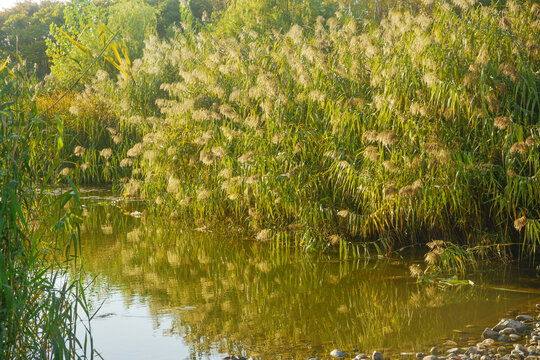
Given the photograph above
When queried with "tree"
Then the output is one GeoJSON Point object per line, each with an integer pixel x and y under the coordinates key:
{"type": "Point", "coordinates": [24, 29]}
{"type": "Point", "coordinates": [135, 21]}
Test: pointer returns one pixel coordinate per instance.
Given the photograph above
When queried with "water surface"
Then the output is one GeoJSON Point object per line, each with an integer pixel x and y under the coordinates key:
{"type": "Point", "coordinates": [167, 292]}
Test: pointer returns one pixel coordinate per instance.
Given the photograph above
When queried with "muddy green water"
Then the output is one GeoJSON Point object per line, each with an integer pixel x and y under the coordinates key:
{"type": "Point", "coordinates": [164, 292]}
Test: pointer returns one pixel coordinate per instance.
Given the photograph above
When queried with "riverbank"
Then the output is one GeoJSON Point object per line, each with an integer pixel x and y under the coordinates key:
{"type": "Point", "coordinates": [509, 339]}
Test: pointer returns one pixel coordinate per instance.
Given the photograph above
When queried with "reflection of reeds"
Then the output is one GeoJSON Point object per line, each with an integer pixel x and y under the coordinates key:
{"type": "Point", "coordinates": [250, 294]}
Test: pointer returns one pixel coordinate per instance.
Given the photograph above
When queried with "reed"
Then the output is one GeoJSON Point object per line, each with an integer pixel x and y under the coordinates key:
{"type": "Point", "coordinates": [368, 134]}
{"type": "Point", "coordinates": [41, 308]}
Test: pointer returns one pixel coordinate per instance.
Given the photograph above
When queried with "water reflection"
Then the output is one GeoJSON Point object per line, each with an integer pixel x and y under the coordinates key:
{"type": "Point", "coordinates": [214, 293]}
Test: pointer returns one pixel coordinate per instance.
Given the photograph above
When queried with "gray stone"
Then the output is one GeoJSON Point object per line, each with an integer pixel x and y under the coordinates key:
{"type": "Point", "coordinates": [420, 355]}
{"type": "Point", "coordinates": [517, 353]}
{"type": "Point", "coordinates": [507, 331]}
{"type": "Point", "coordinates": [502, 350]}
{"type": "Point", "coordinates": [434, 351]}
{"type": "Point", "coordinates": [453, 351]}
{"type": "Point", "coordinates": [430, 357]}
{"type": "Point", "coordinates": [471, 351]}
{"type": "Point", "coordinates": [490, 334]}
{"type": "Point", "coordinates": [538, 306]}
{"type": "Point", "coordinates": [509, 323]}
{"type": "Point", "coordinates": [524, 318]}
{"type": "Point", "coordinates": [485, 357]}
{"type": "Point", "coordinates": [377, 355]}
{"type": "Point", "coordinates": [521, 348]}
{"type": "Point", "coordinates": [361, 356]}
{"type": "Point", "coordinates": [504, 338]}
{"type": "Point", "coordinates": [338, 354]}
{"type": "Point", "coordinates": [312, 359]}
{"type": "Point", "coordinates": [235, 357]}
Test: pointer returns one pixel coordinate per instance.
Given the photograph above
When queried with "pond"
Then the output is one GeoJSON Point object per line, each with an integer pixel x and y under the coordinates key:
{"type": "Point", "coordinates": [167, 292]}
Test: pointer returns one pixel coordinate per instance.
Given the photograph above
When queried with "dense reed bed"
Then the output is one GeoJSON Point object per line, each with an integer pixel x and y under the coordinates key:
{"type": "Point", "coordinates": [40, 307]}
{"type": "Point", "coordinates": [373, 135]}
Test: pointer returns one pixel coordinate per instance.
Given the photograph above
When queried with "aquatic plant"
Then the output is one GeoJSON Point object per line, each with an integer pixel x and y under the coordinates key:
{"type": "Point", "coordinates": [40, 307]}
{"type": "Point", "coordinates": [362, 134]}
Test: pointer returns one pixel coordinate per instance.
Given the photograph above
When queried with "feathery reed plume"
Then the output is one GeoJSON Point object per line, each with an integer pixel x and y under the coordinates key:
{"type": "Point", "coordinates": [501, 122]}
{"type": "Point", "coordinates": [106, 153]}
{"type": "Point", "coordinates": [136, 150]}
{"type": "Point", "coordinates": [371, 153]}
{"type": "Point", "coordinates": [246, 157]}
{"type": "Point", "coordinates": [519, 147]}
{"type": "Point", "coordinates": [203, 194]}
{"type": "Point", "coordinates": [416, 270]}
{"type": "Point", "coordinates": [435, 243]}
{"type": "Point", "coordinates": [173, 186]}
{"type": "Point", "coordinates": [126, 163]}
{"type": "Point", "coordinates": [390, 166]}
{"type": "Point", "coordinates": [264, 235]}
{"type": "Point", "coordinates": [430, 257]}
{"type": "Point", "coordinates": [387, 137]}
{"type": "Point", "coordinates": [390, 191]}
{"type": "Point", "coordinates": [407, 191]}
{"type": "Point", "coordinates": [520, 223]}
{"type": "Point", "coordinates": [79, 151]}
{"type": "Point", "coordinates": [370, 135]}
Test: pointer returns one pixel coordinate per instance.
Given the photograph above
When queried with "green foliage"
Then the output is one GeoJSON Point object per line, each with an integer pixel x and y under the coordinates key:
{"type": "Point", "coordinates": [135, 22]}
{"type": "Point", "coordinates": [69, 61]}
{"type": "Point", "coordinates": [40, 307]}
{"type": "Point", "coordinates": [24, 28]}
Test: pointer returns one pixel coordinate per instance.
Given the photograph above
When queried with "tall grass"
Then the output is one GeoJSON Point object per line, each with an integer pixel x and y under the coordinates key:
{"type": "Point", "coordinates": [40, 307]}
{"type": "Point", "coordinates": [421, 126]}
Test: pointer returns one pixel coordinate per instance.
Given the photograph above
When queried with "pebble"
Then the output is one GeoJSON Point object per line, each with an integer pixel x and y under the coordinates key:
{"type": "Point", "coordinates": [430, 357]}
{"type": "Point", "coordinates": [537, 306]}
{"type": "Point", "coordinates": [453, 351]}
{"type": "Point", "coordinates": [490, 334]}
{"type": "Point", "coordinates": [361, 356]}
{"type": "Point", "coordinates": [507, 331]}
{"type": "Point", "coordinates": [434, 351]}
{"type": "Point", "coordinates": [514, 337]}
{"type": "Point", "coordinates": [338, 354]}
{"type": "Point", "coordinates": [485, 357]}
{"type": "Point", "coordinates": [502, 350]}
{"type": "Point", "coordinates": [235, 357]}
{"type": "Point", "coordinates": [377, 355]}
{"type": "Point", "coordinates": [514, 324]}
{"type": "Point", "coordinates": [420, 355]}
{"type": "Point", "coordinates": [517, 352]}
{"type": "Point", "coordinates": [524, 318]}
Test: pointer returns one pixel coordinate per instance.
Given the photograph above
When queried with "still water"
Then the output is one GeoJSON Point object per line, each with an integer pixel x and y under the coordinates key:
{"type": "Point", "coordinates": [167, 292]}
